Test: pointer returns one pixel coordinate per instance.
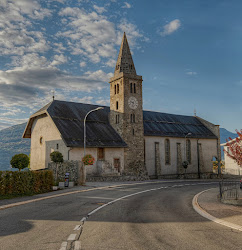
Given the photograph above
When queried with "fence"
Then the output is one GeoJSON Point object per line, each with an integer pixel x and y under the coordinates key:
{"type": "Point", "coordinates": [229, 190]}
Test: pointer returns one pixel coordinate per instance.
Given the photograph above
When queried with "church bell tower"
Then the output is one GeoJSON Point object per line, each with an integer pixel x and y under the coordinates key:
{"type": "Point", "coordinates": [126, 109]}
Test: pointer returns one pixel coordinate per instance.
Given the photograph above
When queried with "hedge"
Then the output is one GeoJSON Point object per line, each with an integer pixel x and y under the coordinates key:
{"type": "Point", "coordinates": [31, 182]}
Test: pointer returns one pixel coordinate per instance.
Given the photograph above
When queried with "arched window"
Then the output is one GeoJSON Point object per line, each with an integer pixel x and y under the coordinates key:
{"type": "Point", "coordinates": [188, 151]}
{"type": "Point", "coordinates": [134, 88]}
{"type": "Point", "coordinates": [117, 105]}
{"type": "Point", "coordinates": [133, 131]}
{"type": "Point", "coordinates": [117, 88]}
{"type": "Point", "coordinates": [131, 87]}
{"type": "Point", "coordinates": [167, 151]}
{"type": "Point", "coordinates": [131, 118]}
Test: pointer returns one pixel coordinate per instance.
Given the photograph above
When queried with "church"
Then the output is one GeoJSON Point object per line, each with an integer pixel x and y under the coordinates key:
{"type": "Point", "coordinates": [123, 138]}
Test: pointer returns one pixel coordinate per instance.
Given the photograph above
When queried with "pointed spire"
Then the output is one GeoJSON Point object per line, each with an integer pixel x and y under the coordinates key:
{"type": "Point", "coordinates": [125, 62]}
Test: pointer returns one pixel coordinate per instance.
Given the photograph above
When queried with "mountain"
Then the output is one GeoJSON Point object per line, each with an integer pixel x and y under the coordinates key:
{"type": "Point", "coordinates": [225, 134]}
{"type": "Point", "coordinates": [11, 143]}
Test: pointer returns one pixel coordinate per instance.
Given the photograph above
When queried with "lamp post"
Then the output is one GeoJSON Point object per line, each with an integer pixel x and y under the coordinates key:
{"type": "Point", "coordinates": [185, 163]}
{"type": "Point", "coordinates": [85, 118]}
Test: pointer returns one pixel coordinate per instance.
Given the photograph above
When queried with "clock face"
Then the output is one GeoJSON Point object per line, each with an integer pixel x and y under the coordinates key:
{"type": "Point", "coordinates": [133, 103]}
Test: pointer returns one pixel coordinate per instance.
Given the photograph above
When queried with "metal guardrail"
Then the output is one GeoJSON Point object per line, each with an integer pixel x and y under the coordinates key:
{"type": "Point", "coordinates": [229, 190]}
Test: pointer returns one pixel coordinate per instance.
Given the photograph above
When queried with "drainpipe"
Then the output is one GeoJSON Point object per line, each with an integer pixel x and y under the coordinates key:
{"type": "Point", "coordinates": [198, 160]}
{"type": "Point", "coordinates": [68, 158]}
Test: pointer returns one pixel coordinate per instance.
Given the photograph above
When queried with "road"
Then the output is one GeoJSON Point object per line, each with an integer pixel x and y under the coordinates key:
{"type": "Point", "coordinates": [150, 216]}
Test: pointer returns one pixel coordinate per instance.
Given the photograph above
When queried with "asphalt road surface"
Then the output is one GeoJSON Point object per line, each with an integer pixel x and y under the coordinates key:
{"type": "Point", "coordinates": [148, 216]}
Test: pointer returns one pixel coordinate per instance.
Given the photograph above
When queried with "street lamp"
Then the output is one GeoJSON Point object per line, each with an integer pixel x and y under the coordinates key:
{"type": "Point", "coordinates": [185, 162]}
{"type": "Point", "coordinates": [96, 109]}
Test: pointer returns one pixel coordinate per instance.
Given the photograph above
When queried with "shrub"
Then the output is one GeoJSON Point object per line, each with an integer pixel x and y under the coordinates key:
{"type": "Point", "coordinates": [20, 161]}
{"type": "Point", "coordinates": [56, 157]}
{"type": "Point", "coordinates": [24, 183]}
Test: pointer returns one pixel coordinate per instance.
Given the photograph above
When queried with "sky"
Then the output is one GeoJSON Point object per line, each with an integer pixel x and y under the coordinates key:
{"type": "Point", "coordinates": [188, 52]}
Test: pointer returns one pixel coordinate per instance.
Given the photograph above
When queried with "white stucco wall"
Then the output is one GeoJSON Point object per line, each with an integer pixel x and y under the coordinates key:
{"type": "Point", "coordinates": [231, 167]}
{"type": "Point", "coordinates": [76, 154]}
{"type": "Point", "coordinates": [43, 127]}
{"type": "Point", "coordinates": [209, 150]}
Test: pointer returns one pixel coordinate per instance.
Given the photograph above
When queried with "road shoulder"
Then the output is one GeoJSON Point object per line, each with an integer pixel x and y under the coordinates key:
{"type": "Point", "coordinates": [207, 204]}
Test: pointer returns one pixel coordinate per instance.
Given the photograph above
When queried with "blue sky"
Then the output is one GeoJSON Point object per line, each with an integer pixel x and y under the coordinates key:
{"type": "Point", "coordinates": [188, 52]}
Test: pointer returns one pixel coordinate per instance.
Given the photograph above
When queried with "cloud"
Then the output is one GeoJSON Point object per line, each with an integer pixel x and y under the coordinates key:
{"type": "Point", "coordinates": [191, 73]}
{"type": "Point", "coordinates": [93, 36]}
{"type": "Point", "coordinates": [99, 10]}
{"type": "Point", "coordinates": [22, 86]}
{"type": "Point", "coordinates": [170, 28]}
{"type": "Point", "coordinates": [126, 5]}
{"type": "Point", "coordinates": [16, 36]}
{"type": "Point", "coordinates": [83, 64]}
{"type": "Point", "coordinates": [59, 59]}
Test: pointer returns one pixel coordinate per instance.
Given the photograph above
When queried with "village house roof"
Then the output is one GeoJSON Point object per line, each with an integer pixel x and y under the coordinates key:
{"type": "Point", "coordinates": [69, 116]}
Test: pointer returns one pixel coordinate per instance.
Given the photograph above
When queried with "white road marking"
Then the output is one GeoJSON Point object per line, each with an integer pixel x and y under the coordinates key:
{"type": "Point", "coordinates": [72, 237]}
{"type": "Point", "coordinates": [83, 219]}
{"type": "Point", "coordinates": [63, 245]}
{"type": "Point", "coordinates": [208, 216]}
{"type": "Point", "coordinates": [77, 227]}
{"type": "Point", "coordinates": [77, 245]}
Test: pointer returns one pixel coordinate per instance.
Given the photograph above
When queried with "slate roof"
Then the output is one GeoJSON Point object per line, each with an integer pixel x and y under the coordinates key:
{"type": "Point", "coordinates": [170, 125]}
{"type": "Point", "coordinates": [68, 118]}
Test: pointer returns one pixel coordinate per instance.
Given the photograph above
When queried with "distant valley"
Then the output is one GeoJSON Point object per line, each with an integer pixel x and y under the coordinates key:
{"type": "Point", "coordinates": [11, 143]}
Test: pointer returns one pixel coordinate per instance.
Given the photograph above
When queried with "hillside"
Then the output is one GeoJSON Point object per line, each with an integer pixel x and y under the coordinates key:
{"type": "Point", "coordinates": [11, 143]}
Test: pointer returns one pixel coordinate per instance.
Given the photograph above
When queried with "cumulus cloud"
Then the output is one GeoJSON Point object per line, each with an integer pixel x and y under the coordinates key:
{"type": "Point", "coordinates": [170, 28]}
{"type": "Point", "coordinates": [93, 36]}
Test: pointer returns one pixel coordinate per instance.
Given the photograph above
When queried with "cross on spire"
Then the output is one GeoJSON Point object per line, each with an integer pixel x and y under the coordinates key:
{"type": "Point", "coordinates": [125, 62]}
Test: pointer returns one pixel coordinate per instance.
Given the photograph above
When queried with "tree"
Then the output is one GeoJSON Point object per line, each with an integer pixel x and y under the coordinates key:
{"type": "Point", "coordinates": [235, 148]}
{"type": "Point", "coordinates": [20, 161]}
{"type": "Point", "coordinates": [56, 157]}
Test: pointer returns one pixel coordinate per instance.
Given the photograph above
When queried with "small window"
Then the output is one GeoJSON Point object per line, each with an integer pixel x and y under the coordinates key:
{"type": "Point", "coordinates": [131, 87]}
{"type": "Point", "coordinates": [117, 105]}
{"type": "Point", "coordinates": [117, 88]}
{"type": "Point", "coordinates": [117, 119]}
{"type": "Point", "coordinates": [131, 66]}
{"type": "Point", "coordinates": [133, 131]}
{"type": "Point", "coordinates": [100, 153]}
{"type": "Point", "coordinates": [134, 88]}
{"type": "Point", "coordinates": [57, 146]}
{"type": "Point", "coordinates": [132, 118]}
{"type": "Point", "coordinates": [188, 151]}
{"type": "Point", "coordinates": [167, 151]}
{"type": "Point", "coordinates": [41, 140]}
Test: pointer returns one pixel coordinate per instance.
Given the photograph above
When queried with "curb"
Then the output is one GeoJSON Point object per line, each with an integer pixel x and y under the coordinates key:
{"type": "Point", "coordinates": [208, 216]}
